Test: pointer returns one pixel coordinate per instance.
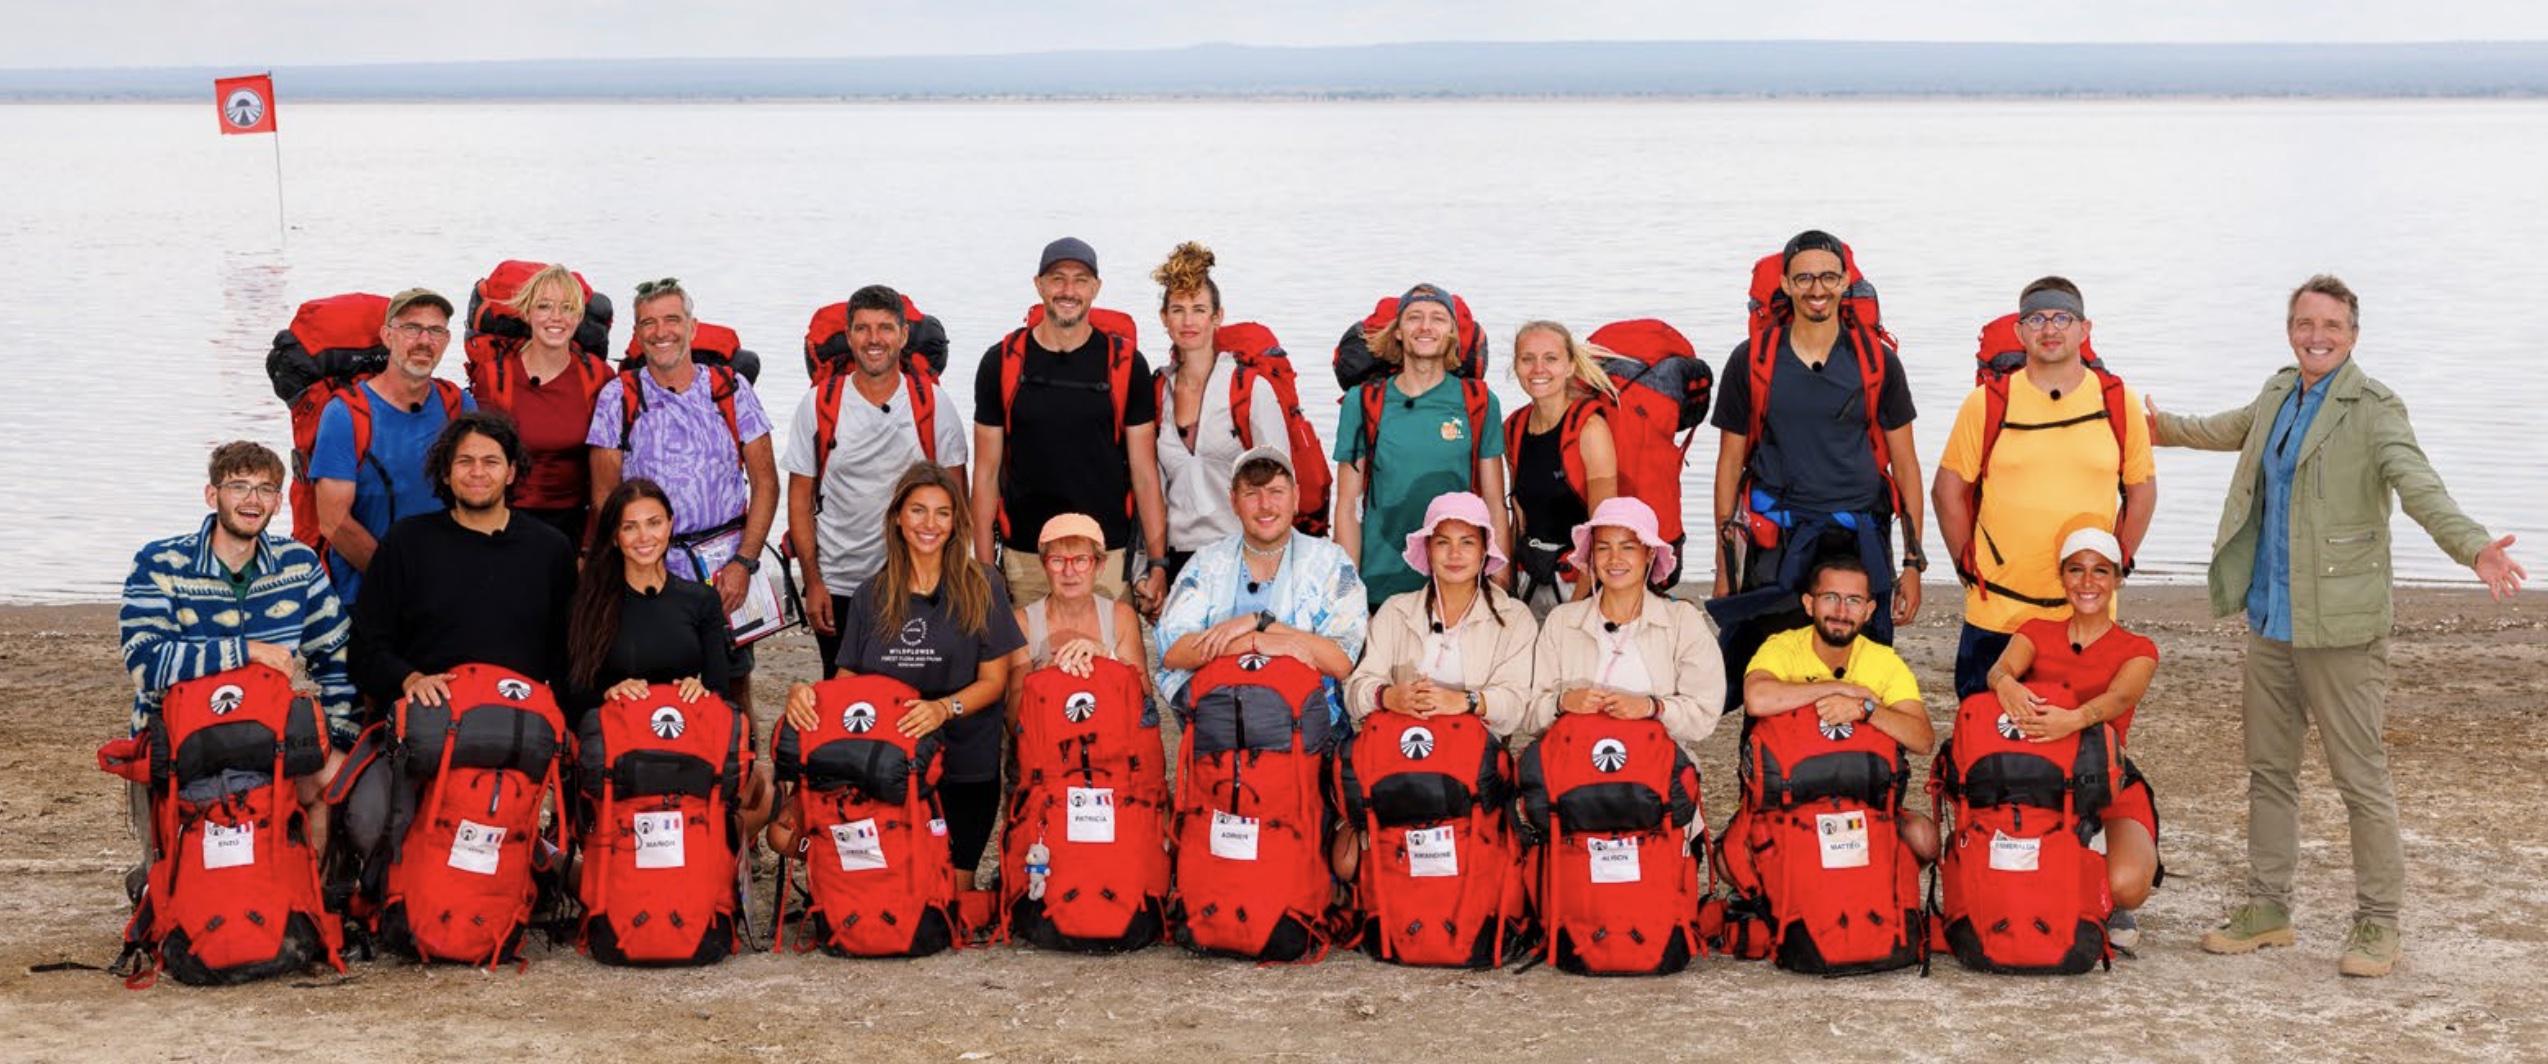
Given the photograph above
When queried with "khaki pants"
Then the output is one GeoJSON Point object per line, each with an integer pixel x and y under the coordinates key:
{"type": "Point", "coordinates": [1025, 573]}
{"type": "Point", "coordinates": [2344, 691]}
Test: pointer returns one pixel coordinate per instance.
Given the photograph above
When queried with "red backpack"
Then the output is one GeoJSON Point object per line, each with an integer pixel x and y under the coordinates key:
{"type": "Point", "coordinates": [1357, 365]}
{"type": "Point", "coordinates": [470, 777]}
{"type": "Point", "coordinates": [1440, 881]}
{"type": "Point", "coordinates": [879, 879]}
{"type": "Point", "coordinates": [2023, 892]}
{"type": "Point", "coordinates": [333, 346]}
{"type": "Point", "coordinates": [495, 335]}
{"type": "Point", "coordinates": [664, 841]}
{"type": "Point", "coordinates": [1821, 879]}
{"type": "Point", "coordinates": [1083, 858]}
{"type": "Point", "coordinates": [1998, 355]}
{"type": "Point", "coordinates": [1255, 355]}
{"type": "Point", "coordinates": [1604, 806]}
{"type": "Point", "coordinates": [1251, 827]}
{"type": "Point", "coordinates": [1861, 322]}
{"type": "Point", "coordinates": [1663, 389]}
{"type": "Point", "coordinates": [924, 342]}
{"type": "Point", "coordinates": [1123, 339]}
{"type": "Point", "coordinates": [233, 893]}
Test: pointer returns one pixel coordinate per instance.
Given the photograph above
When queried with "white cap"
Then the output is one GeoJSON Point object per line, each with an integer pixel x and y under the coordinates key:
{"type": "Point", "coordinates": [2095, 539]}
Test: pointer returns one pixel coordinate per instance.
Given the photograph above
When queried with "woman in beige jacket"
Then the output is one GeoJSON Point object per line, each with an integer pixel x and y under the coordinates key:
{"type": "Point", "coordinates": [1627, 651]}
{"type": "Point", "coordinates": [1456, 645]}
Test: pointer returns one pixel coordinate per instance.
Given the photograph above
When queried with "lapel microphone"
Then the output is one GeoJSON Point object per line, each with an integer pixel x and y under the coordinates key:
{"type": "Point", "coordinates": [1840, 673]}
{"type": "Point", "coordinates": [2056, 394]}
{"type": "Point", "coordinates": [1610, 626]}
{"type": "Point", "coordinates": [1437, 628]}
{"type": "Point", "coordinates": [2077, 649]}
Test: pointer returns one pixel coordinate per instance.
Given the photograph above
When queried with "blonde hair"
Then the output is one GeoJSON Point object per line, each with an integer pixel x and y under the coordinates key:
{"type": "Point", "coordinates": [1388, 347]}
{"type": "Point", "coordinates": [570, 292]}
{"type": "Point", "coordinates": [1583, 360]}
{"type": "Point", "coordinates": [1188, 269]}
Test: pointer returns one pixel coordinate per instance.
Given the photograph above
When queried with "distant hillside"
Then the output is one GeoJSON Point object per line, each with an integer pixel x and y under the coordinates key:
{"type": "Point", "coordinates": [1665, 68]}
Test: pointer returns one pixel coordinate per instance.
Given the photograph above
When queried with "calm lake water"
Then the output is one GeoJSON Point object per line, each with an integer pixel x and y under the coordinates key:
{"type": "Point", "coordinates": [145, 280]}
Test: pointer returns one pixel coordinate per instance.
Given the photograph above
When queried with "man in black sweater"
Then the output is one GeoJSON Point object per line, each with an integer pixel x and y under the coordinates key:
{"type": "Point", "coordinates": [472, 583]}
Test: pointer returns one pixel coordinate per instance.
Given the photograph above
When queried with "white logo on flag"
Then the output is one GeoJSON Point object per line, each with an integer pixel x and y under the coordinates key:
{"type": "Point", "coordinates": [243, 108]}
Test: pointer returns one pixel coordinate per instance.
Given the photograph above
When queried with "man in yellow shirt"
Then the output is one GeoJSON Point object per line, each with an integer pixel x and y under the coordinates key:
{"type": "Point", "coordinates": [2054, 462]}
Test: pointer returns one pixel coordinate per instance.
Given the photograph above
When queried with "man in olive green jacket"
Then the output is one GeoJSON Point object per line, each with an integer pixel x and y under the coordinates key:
{"type": "Point", "coordinates": [2303, 548]}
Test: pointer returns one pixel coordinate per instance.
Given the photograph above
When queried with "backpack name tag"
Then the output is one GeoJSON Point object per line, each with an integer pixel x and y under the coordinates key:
{"type": "Point", "coordinates": [2015, 855]}
{"type": "Point", "coordinates": [229, 847]}
{"type": "Point", "coordinates": [1233, 837]}
{"type": "Point", "coordinates": [476, 847]}
{"type": "Point", "coordinates": [1092, 815]}
{"type": "Point", "coordinates": [1431, 853]}
{"type": "Point", "coordinates": [659, 839]}
{"type": "Point", "coordinates": [1843, 837]}
{"type": "Point", "coordinates": [1614, 860]}
{"type": "Point", "coordinates": [860, 849]}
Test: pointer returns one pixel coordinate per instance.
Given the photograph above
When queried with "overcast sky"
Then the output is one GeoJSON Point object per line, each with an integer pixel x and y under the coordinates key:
{"type": "Point", "coordinates": [258, 33]}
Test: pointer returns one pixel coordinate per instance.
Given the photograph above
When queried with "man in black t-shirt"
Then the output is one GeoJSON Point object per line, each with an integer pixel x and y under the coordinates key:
{"type": "Point", "coordinates": [1800, 474]}
{"type": "Point", "coordinates": [472, 583]}
{"type": "Point", "coordinates": [1077, 437]}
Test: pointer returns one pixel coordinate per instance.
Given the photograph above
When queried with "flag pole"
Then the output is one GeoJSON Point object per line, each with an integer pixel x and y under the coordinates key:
{"type": "Point", "coordinates": [282, 232]}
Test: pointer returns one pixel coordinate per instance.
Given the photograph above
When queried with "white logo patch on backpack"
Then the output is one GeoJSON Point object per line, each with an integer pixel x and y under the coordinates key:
{"type": "Point", "coordinates": [1415, 744]}
{"type": "Point", "coordinates": [1610, 755]}
{"type": "Point", "coordinates": [667, 723]}
{"type": "Point", "coordinates": [516, 690]}
{"type": "Point", "coordinates": [226, 698]}
{"type": "Point", "coordinates": [1080, 706]}
{"type": "Point", "coordinates": [858, 718]}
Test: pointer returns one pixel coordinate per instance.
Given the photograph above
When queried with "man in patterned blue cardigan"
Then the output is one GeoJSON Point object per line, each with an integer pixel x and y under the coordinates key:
{"type": "Point", "coordinates": [228, 594]}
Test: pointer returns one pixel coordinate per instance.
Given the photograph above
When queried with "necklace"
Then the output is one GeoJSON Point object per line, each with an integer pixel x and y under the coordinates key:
{"type": "Point", "coordinates": [1275, 552]}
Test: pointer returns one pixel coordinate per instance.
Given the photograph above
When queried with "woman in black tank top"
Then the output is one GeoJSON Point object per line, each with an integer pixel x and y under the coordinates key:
{"type": "Point", "coordinates": [1560, 459]}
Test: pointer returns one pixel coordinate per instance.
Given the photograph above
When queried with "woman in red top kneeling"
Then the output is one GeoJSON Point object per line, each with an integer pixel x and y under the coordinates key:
{"type": "Point", "coordinates": [2108, 669]}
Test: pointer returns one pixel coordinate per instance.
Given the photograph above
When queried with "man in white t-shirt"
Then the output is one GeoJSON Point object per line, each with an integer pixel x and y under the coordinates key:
{"type": "Point", "coordinates": [853, 436]}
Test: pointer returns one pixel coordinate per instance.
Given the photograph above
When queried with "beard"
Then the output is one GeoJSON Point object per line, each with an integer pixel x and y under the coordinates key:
{"type": "Point", "coordinates": [1848, 633]}
{"type": "Point", "coordinates": [240, 528]}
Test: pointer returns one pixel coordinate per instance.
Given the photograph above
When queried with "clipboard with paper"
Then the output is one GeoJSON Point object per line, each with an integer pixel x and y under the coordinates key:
{"type": "Point", "coordinates": [771, 603]}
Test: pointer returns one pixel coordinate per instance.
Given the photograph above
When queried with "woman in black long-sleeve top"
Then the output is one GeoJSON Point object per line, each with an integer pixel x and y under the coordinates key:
{"type": "Point", "coordinates": [636, 624]}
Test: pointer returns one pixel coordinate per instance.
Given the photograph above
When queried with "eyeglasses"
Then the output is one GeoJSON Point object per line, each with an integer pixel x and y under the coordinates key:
{"type": "Point", "coordinates": [1070, 563]}
{"type": "Point", "coordinates": [2040, 321]}
{"type": "Point", "coordinates": [667, 286]}
{"type": "Point", "coordinates": [1834, 598]}
{"type": "Point", "coordinates": [409, 330]}
{"type": "Point", "coordinates": [242, 489]}
{"type": "Point", "coordinates": [1826, 279]}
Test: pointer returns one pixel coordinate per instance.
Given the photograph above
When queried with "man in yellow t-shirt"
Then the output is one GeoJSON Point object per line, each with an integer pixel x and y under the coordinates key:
{"type": "Point", "coordinates": [2056, 465]}
{"type": "Point", "coordinates": [1833, 671]}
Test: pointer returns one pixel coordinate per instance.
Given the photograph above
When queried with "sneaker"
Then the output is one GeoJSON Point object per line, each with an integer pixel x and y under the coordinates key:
{"type": "Point", "coordinates": [2251, 927]}
{"type": "Point", "coordinates": [2122, 931]}
{"type": "Point", "coordinates": [2370, 950]}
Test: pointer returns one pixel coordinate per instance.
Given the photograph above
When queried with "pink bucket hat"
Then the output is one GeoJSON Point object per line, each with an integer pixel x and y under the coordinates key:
{"type": "Point", "coordinates": [1635, 516]}
{"type": "Point", "coordinates": [1458, 506]}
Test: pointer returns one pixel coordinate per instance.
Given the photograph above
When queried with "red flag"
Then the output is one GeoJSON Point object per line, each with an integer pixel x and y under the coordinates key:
{"type": "Point", "coordinates": [246, 103]}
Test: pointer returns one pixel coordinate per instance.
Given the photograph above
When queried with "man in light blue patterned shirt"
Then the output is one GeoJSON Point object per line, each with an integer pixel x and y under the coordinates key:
{"type": "Point", "coordinates": [228, 594]}
{"type": "Point", "coordinates": [1268, 590]}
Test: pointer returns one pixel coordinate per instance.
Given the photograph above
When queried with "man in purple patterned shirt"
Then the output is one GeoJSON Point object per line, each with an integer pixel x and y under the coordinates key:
{"type": "Point", "coordinates": [701, 433]}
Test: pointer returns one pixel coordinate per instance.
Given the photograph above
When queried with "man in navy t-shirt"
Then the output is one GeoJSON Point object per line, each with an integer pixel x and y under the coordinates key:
{"type": "Point", "coordinates": [367, 484]}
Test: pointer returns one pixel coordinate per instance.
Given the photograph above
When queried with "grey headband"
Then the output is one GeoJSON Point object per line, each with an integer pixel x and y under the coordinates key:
{"type": "Point", "coordinates": [2052, 299]}
{"type": "Point", "coordinates": [1425, 293]}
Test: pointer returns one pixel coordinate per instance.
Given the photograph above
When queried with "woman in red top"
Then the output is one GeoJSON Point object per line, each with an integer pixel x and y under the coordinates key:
{"type": "Point", "coordinates": [2107, 669]}
{"type": "Point", "coordinates": [547, 386]}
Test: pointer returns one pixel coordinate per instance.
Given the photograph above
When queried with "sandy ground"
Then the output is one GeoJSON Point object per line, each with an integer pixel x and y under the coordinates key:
{"type": "Point", "coordinates": [2466, 727]}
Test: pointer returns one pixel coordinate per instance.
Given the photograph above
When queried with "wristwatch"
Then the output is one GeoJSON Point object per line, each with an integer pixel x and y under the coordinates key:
{"type": "Point", "coordinates": [1866, 709]}
{"type": "Point", "coordinates": [1472, 698]}
{"type": "Point", "coordinates": [750, 565]}
{"type": "Point", "coordinates": [1915, 561]}
{"type": "Point", "coordinates": [955, 707]}
{"type": "Point", "coordinates": [1264, 620]}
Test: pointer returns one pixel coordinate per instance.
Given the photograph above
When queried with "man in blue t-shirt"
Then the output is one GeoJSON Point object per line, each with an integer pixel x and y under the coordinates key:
{"type": "Point", "coordinates": [370, 462]}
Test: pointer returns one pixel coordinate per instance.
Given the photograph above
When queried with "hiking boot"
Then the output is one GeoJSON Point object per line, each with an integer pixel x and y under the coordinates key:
{"type": "Point", "coordinates": [2122, 931]}
{"type": "Point", "coordinates": [2251, 927]}
{"type": "Point", "coordinates": [2370, 950]}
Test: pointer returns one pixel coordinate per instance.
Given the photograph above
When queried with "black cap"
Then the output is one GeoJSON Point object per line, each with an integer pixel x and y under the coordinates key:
{"type": "Point", "coordinates": [1067, 249]}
